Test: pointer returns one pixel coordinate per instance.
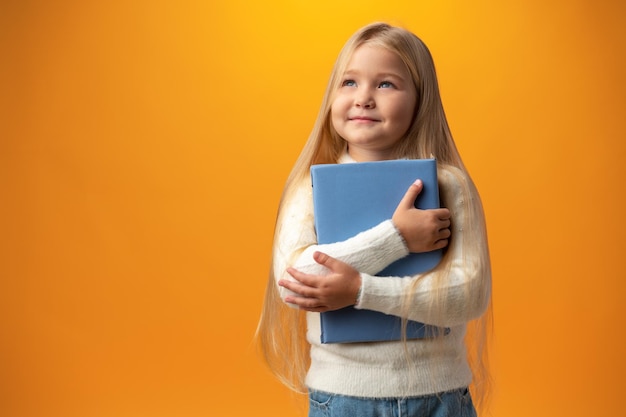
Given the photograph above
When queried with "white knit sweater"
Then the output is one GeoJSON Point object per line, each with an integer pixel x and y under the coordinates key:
{"type": "Point", "coordinates": [386, 369]}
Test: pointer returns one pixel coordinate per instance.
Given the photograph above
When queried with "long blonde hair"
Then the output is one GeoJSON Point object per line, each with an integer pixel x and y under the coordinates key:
{"type": "Point", "coordinates": [281, 331]}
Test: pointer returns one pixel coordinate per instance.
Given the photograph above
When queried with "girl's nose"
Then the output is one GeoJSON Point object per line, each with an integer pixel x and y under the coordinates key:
{"type": "Point", "coordinates": [365, 100]}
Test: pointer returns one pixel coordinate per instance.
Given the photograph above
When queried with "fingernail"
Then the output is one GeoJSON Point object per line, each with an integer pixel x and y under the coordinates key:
{"type": "Point", "coordinates": [417, 182]}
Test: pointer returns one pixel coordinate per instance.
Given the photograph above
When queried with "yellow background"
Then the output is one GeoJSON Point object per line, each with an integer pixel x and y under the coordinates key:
{"type": "Point", "coordinates": [144, 145]}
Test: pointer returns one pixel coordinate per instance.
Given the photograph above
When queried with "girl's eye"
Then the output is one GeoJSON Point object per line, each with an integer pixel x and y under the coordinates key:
{"type": "Point", "coordinates": [386, 84]}
{"type": "Point", "coordinates": [348, 83]}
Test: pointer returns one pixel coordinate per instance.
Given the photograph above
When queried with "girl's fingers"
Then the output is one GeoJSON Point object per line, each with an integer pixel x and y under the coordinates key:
{"type": "Point", "coordinates": [408, 201]}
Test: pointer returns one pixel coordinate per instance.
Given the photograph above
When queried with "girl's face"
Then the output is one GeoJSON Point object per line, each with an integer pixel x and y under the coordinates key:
{"type": "Point", "coordinates": [374, 105]}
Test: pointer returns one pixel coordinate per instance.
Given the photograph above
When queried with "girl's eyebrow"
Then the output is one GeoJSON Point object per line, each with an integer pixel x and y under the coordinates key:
{"type": "Point", "coordinates": [351, 72]}
{"type": "Point", "coordinates": [390, 75]}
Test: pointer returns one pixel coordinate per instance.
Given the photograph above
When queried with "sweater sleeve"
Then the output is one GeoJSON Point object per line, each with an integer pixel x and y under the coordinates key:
{"type": "Point", "coordinates": [295, 242]}
{"type": "Point", "coordinates": [462, 287]}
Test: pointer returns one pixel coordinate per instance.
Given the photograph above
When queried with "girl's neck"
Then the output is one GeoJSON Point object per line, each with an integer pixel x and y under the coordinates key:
{"type": "Point", "coordinates": [363, 155]}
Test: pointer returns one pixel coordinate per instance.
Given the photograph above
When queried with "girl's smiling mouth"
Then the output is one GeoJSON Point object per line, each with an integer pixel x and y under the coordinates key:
{"type": "Point", "coordinates": [363, 119]}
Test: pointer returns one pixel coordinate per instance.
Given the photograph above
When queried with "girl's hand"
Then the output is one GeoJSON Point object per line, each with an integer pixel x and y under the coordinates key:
{"type": "Point", "coordinates": [319, 293]}
{"type": "Point", "coordinates": [422, 230]}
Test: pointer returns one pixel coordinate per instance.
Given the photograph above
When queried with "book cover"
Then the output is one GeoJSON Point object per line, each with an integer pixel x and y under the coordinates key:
{"type": "Point", "coordinates": [351, 198]}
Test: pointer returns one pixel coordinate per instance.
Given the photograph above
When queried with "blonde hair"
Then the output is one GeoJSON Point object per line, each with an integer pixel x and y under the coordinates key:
{"type": "Point", "coordinates": [281, 331]}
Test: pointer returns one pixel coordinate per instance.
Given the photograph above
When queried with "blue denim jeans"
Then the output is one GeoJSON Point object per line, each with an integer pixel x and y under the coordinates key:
{"type": "Point", "coordinates": [456, 403]}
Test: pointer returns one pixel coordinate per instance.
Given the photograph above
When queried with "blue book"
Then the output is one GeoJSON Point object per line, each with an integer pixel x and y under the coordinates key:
{"type": "Point", "coordinates": [351, 198]}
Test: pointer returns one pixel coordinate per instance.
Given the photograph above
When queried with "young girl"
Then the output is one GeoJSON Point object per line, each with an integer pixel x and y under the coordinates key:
{"type": "Point", "coordinates": [382, 102]}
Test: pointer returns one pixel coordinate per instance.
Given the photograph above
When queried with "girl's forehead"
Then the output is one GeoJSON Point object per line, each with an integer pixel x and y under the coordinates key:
{"type": "Point", "coordinates": [373, 56]}
{"type": "Point", "coordinates": [373, 48]}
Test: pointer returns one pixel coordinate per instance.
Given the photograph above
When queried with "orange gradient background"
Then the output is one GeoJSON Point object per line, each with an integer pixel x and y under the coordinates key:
{"type": "Point", "coordinates": [143, 149]}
